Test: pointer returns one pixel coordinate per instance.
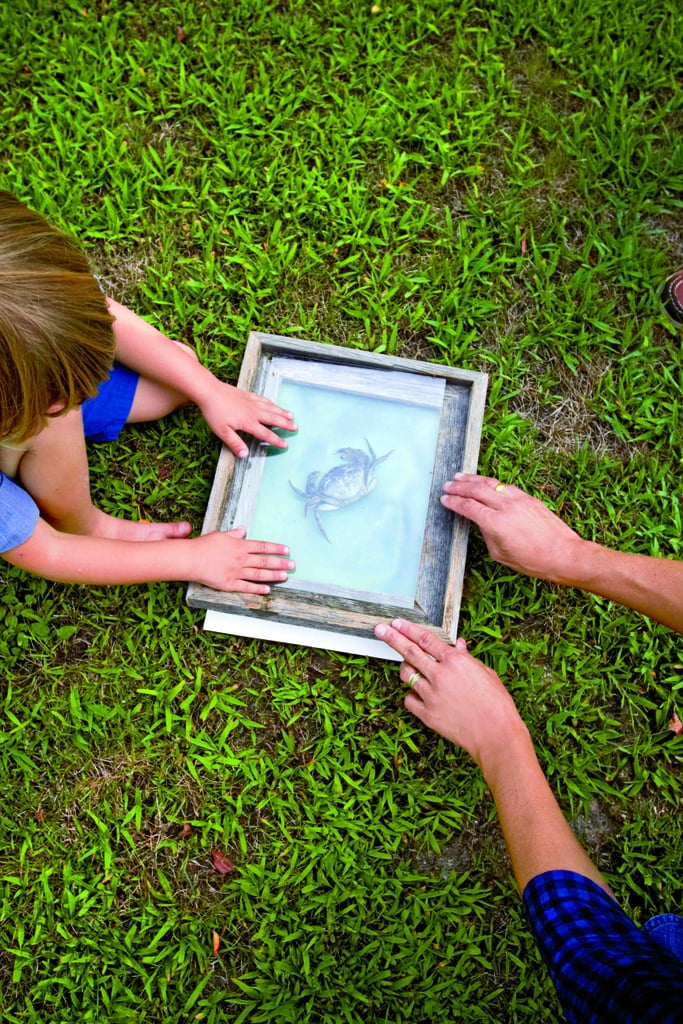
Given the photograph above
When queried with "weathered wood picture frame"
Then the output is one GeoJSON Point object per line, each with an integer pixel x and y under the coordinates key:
{"type": "Point", "coordinates": [342, 617]}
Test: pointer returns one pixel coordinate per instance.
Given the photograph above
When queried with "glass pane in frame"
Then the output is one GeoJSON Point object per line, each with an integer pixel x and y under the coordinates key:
{"type": "Point", "coordinates": [349, 496]}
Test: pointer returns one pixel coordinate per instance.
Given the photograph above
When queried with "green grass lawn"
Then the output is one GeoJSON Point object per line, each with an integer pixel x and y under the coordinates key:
{"type": "Point", "coordinates": [496, 187]}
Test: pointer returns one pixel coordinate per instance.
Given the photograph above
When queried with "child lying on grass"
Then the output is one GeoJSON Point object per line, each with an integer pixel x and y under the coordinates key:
{"type": "Point", "coordinates": [59, 384]}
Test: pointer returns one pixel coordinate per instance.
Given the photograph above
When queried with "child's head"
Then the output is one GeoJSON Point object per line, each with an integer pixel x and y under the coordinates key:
{"type": "Point", "coordinates": [56, 338]}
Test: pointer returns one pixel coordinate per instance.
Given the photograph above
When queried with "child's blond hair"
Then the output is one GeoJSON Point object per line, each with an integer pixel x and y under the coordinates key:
{"type": "Point", "coordinates": [56, 338]}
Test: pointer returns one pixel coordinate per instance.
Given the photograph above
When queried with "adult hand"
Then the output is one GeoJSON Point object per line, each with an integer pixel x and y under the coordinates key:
{"type": "Point", "coordinates": [452, 692]}
{"type": "Point", "coordinates": [228, 409]}
{"type": "Point", "coordinates": [519, 531]}
{"type": "Point", "coordinates": [229, 562]}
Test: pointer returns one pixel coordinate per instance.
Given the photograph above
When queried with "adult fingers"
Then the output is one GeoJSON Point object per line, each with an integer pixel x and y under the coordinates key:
{"type": "Point", "coordinates": [474, 478]}
{"type": "Point", "coordinates": [423, 637]}
{"type": "Point", "coordinates": [415, 654]}
{"type": "Point", "coordinates": [483, 489]}
{"type": "Point", "coordinates": [413, 704]}
{"type": "Point", "coordinates": [409, 674]}
{"type": "Point", "coordinates": [470, 508]}
{"type": "Point", "coordinates": [476, 488]}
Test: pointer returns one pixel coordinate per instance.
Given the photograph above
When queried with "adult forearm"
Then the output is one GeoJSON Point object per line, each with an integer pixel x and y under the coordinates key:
{"type": "Point", "coordinates": [522, 533]}
{"type": "Point", "coordinates": [652, 586]}
{"type": "Point", "coordinates": [536, 833]}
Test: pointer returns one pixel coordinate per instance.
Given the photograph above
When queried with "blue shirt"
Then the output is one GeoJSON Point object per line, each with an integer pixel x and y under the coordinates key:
{"type": "Point", "coordinates": [18, 514]}
{"type": "Point", "coordinates": [605, 969]}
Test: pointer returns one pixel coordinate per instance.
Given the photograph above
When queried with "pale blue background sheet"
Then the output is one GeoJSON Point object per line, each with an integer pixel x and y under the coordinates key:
{"type": "Point", "coordinates": [375, 542]}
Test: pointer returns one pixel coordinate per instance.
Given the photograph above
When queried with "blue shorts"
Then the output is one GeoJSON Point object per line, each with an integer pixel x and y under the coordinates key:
{"type": "Point", "coordinates": [105, 414]}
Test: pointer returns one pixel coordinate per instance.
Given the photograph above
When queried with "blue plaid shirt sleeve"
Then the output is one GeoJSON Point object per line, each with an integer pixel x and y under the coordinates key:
{"type": "Point", "coordinates": [604, 968]}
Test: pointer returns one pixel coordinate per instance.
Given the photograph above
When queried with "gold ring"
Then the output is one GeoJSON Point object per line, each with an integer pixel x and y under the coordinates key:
{"type": "Point", "coordinates": [414, 678]}
{"type": "Point", "coordinates": [500, 487]}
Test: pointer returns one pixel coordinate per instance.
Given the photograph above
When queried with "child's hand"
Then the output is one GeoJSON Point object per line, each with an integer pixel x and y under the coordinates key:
{"type": "Point", "coordinates": [228, 562]}
{"type": "Point", "coordinates": [228, 409]}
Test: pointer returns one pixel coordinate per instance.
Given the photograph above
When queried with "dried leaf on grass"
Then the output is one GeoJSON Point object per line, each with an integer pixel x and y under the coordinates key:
{"type": "Point", "coordinates": [216, 943]}
{"type": "Point", "coordinates": [222, 864]}
{"type": "Point", "coordinates": [676, 725]}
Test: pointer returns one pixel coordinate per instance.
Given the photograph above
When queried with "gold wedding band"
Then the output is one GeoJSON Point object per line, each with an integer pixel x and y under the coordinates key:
{"type": "Point", "coordinates": [500, 487]}
{"type": "Point", "coordinates": [414, 678]}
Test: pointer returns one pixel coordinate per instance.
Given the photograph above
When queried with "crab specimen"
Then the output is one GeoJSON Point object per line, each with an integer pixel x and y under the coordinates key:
{"type": "Point", "coordinates": [341, 485]}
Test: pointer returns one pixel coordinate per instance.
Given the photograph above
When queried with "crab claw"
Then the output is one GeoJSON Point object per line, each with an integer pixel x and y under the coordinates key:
{"type": "Point", "coordinates": [351, 454]}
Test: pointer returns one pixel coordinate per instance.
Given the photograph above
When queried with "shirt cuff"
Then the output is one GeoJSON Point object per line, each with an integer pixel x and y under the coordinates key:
{"type": "Point", "coordinates": [18, 514]}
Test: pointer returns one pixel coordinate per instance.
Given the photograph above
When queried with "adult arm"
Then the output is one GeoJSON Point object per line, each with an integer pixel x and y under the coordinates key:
{"type": "Point", "coordinates": [522, 533]}
{"type": "Point", "coordinates": [225, 408]}
{"type": "Point", "coordinates": [225, 561]}
{"type": "Point", "coordinates": [464, 701]}
{"type": "Point", "coordinates": [603, 966]}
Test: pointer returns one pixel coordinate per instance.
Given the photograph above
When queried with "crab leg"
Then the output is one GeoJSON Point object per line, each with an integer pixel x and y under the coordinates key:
{"type": "Point", "coordinates": [320, 525]}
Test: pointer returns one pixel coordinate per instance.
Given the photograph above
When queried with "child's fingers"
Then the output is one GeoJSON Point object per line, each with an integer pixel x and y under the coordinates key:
{"type": "Point", "coordinates": [264, 434]}
{"type": "Point", "coordinates": [268, 562]}
{"type": "Point", "coordinates": [266, 547]}
{"type": "Point", "coordinates": [267, 409]}
{"type": "Point", "coordinates": [234, 442]}
{"type": "Point", "coordinates": [274, 416]}
{"type": "Point", "coordinates": [244, 587]}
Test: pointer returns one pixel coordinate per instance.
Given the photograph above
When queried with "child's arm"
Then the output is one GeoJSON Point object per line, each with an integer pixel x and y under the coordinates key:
{"type": "Point", "coordinates": [224, 561]}
{"type": "Point", "coordinates": [225, 408]}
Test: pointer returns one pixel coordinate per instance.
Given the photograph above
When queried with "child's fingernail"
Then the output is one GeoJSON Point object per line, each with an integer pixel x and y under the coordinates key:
{"type": "Point", "coordinates": [242, 453]}
{"type": "Point", "coordinates": [282, 575]}
{"type": "Point", "coordinates": [291, 565]}
{"type": "Point", "coordinates": [381, 630]}
{"type": "Point", "coordinates": [458, 476]}
{"type": "Point", "coordinates": [285, 551]}
{"type": "Point", "coordinates": [397, 623]}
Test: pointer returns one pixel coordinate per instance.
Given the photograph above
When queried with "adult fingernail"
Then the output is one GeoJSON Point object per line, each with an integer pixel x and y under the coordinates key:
{"type": "Point", "coordinates": [242, 453]}
{"type": "Point", "coordinates": [381, 630]}
{"type": "Point", "coordinates": [291, 565]}
{"type": "Point", "coordinates": [458, 476]}
{"type": "Point", "coordinates": [397, 623]}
